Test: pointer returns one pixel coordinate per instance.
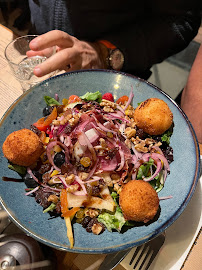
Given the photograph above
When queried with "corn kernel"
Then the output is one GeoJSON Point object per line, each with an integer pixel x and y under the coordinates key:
{"type": "Point", "coordinates": [55, 172]}
{"type": "Point", "coordinates": [127, 112]}
{"type": "Point", "coordinates": [47, 139]}
{"type": "Point", "coordinates": [65, 101]}
{"type": "Point", "coordinates": [57, 148]}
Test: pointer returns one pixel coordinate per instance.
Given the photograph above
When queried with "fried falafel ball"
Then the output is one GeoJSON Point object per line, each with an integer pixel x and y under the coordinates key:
{"type": "Point", "coordinates": [139, 201]}
{"type": "Point", "coordinates": [153, 116]}
{"type": "Point", "coordinates": [22, 147]}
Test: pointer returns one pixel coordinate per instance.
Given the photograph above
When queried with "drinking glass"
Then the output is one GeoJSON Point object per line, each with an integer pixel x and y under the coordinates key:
{"type": "Point", "coordinates": [22, 65]}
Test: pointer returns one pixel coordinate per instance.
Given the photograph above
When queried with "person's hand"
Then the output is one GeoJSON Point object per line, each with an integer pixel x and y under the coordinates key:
{"type": "Point", "coordinates": [71, 53]}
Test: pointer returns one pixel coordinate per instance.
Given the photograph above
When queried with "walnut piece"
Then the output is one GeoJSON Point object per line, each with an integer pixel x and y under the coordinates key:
{"type": "Point", "coordinates": [91, 213]}
{"type": "Point", "coordinates": [140, 147]}
{"type": "Point", "coordinates": [69, 179]}
{"type": "Point", "coordinates": [130, 132]}
{"type": "Point", "coordinates": [108, 109]}
{"type": "Point", "coordinates": [108, 103]}
{"type": "Point", "coordinates": [97, 228]}
{"type": "Point", "coordinates": [74, 120]}
{"type": "Point", "coordinates": [53, 198]}
{"type": "Point", "coordinates": [73, 188]}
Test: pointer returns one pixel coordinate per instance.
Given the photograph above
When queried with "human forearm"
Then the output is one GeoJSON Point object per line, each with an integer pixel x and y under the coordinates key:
{"type": "Point", "coordinates": [153, 39]}
{"type": "Point", "coordinates": [191, 101]}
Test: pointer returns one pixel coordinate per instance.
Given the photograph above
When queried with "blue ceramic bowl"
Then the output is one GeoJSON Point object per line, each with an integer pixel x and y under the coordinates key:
{"type": "Point", "coordinates": [180, 183]}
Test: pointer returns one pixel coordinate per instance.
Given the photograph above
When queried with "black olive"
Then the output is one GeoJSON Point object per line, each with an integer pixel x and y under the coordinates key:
{"type": "Point", "coordinates": [29, 181]}
{"type": "Point", "coordinates": [59, 159]}
{"type": "Point", "coordinates": [47, 110]}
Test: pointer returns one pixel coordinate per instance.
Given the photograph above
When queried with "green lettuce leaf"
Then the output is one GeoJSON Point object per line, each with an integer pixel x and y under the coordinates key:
{"type": "Point", "coordinates": [157, 182]}
{"type": "Point", "coordinates": [113, 220]}
{"type": "Point", "coordinates": [19, 169]}
{"type": "Point", "coordinates": [97, 96]}
{"type": "Point", "coordinates": [166, 136]}
{"type": "Point", "coordinates": [51, 101]}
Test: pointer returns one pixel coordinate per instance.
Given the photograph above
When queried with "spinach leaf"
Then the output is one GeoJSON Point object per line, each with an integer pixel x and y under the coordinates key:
{"type": "Point", "coordinates": [51, 101]}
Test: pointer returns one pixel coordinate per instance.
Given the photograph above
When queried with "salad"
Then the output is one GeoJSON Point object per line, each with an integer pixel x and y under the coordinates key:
{"type": "Point", "coordinates": [90, 148]}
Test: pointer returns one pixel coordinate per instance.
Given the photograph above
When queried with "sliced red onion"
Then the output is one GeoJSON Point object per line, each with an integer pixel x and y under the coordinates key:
{"type": "Point", "coordinates": [48, 151]}
{"type": "Point", "coordinates": [32, 191]}
{"type": "Point", "coordinates": [145, 157]}
{"type": "Point", "coordinates": [158, 169]}
{"type": "Point", "coordinates": [158, 149]}
{"type": "Point", "coordinates": [50, 189]}
{"type": "Point", "coordinates": [129, 100]}
{"type": "Point", "coordinates": [137, 164]}
{"type": "Point", "coordinates": [165, 172]}
{"type": "Point", "coordinates": [50, 158]}
{"type": "Point", "coordinates": [37, 180]}
{"type": "Point", "coordinates": [81, 126]}
{"type": "Point", "coordinates": [91, 173]}
{"type": "Point", "coordinates": [33, 176]}
{"type": "Point", "coordinates": [103, 127]}
{"type": "Point", "coordinates": [116, 116]}
{"type": "Point", "coordinates": [165, 197]}
{"type": "Point", "coordinates": [125, 149]}
{"type": "Point", "coordinates": [93, 179]}
{"type": "Point", "coordinates": [81, 183]}
{"type": "Point", "coordinates": [161, 157]}
{"type": "Point", "coordinates": [56, 97]}
{"type": "Point", "coordinates": [62, 179]}
{"type": "Point", "coordinates": [121, 153]}
{"type": "Point", "coordinates": [108, 165]}
{"type": "Point", "coordinates": [134, 159]}
{"type": "Point", "coordinates": [120, 109]}
{"type": "Point", "coordinates": [61, 128]}
{"type": "Point", "coordinates": [103, 133]}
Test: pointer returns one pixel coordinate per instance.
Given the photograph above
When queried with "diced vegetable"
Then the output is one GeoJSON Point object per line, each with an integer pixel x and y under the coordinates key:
{"type": "Point", "coordinates": [44, 122]}
{"type": "Point", "coordinates": [73, 99]}
{"type": "Point", "coordinates": [122, 100]}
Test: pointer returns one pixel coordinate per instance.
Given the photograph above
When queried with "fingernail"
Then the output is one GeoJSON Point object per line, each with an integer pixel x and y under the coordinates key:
{"type": "Point", "coordinates": [34, 44]}
{"type": "Point", "coordinates": [37, 71]}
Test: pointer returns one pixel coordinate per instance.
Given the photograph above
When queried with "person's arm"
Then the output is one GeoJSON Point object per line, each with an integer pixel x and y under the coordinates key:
{"type": "Point", "coordinates": [145, 38]}
{"type": "Point", "coordinates": [191, 101]}
{"type": "Point", "coordinates": [147, 32]}
{"type": "Point", "coordinates": [155, 38]}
